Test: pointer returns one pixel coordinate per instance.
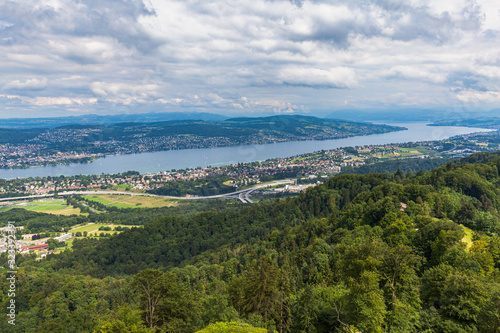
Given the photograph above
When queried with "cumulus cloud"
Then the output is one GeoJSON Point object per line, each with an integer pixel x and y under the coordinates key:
{"type": "Point", "coordinates": [474, 96]}
{"type": "Point", "coordinates": [492, 72]}
{"type": "Point", "coordinates": [339, 77]}
{"type": "Point", "coordinates": [125, 93]}
{"type": "Point", "coordinates": [86, 50]}
{"type": "Point", "coordinates": [49, 101]}
{"type": "Point", "coordinates": [416, 73]}
{"type": "Point", "coordinates": [29, 84]}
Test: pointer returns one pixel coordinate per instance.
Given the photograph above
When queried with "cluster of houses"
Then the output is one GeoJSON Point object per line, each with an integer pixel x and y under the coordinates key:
{"type": "Point", "coordinates": [31, 243]}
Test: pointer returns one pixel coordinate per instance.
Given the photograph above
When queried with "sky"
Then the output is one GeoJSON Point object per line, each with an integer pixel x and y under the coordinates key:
{"type": "Point", "coordinates": [247, 57]}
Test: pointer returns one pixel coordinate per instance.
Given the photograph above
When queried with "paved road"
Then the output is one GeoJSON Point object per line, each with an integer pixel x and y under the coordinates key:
{"type": "Point", "coordinates": [242, 195]}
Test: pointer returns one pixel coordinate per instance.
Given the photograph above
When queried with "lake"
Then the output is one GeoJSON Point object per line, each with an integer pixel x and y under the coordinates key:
{"type": "Point", "coordinates": [192, 158]}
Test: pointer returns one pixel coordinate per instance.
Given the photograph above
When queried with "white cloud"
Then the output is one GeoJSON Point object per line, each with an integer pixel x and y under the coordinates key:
{"type": "Point", "coordinates": [172, 101]}
{"type": "Point", "coordinates": [89, 50]}
{"type": "Point", "coordinates": [49, 101]}
{"type": "Point", "coordinates": [338, 77]}
{"type": "Point", "coordinates": [473, 96]}
{"type": "Point", "coordinates": [416, 73]}
{"type": "Point", "coordinates": [124, 93]}
{"type": "Point", "coordinates": [29, 84]}
{"type": "Point", "coordinates": [492, 72]}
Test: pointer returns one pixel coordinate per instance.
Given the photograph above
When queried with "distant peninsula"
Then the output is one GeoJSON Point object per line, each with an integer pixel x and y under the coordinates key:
{"type": "Point", "coordinates": [481, 122]}
{"type": "Point", "coordinates": [22, 148]}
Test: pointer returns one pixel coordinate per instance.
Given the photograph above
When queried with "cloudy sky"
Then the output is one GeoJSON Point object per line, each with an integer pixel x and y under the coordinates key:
{"type": "Point", "coordinates": [246, 57]}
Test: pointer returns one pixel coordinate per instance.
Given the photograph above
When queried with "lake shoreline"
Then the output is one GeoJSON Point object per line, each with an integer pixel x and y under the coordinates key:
{"type": "Point", "coordinates": [151, 162]}
{"type": "Point", "coordinates": [91, 159]}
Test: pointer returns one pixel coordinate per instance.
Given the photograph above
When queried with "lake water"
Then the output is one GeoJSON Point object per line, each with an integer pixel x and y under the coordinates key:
{"type": "Point", "coordinates": [192, 158]}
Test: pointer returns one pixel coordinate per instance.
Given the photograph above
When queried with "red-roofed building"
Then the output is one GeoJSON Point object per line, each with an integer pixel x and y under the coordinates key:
{"type": "Point", "coordinates": [23, 249]}
{"type": "Point", "coordinates": [38, 247]}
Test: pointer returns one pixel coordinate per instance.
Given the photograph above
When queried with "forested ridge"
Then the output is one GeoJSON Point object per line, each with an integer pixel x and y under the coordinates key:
{"type": "Point", "coordinates": [389, 252]}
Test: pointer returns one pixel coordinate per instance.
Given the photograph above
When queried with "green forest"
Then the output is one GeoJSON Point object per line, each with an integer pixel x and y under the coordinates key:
{"type": "Point", "coordinates": [380, 252]}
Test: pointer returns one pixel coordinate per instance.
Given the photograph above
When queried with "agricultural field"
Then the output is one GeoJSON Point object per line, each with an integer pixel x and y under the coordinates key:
{"type": "Point", "coordinates": [131, 201]}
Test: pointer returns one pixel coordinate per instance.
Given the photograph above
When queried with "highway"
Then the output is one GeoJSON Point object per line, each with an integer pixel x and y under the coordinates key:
{"type": "Point", "coordinates": [242, 195]}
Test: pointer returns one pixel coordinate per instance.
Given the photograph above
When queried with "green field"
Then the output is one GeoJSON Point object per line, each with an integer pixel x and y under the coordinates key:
{"type": "Point", "coordinates": [94, 228]}
{"type": "Point", "coordinates": [49, 206]}
{"type": "Point", "coordinates": [409, 151]}
{"type": "Point", "coordinates": [93, 231]}
{"type": "Point", "coordinates": [43, 205]}
{"type": "Point", "coordinates": [89, 227]}
{"type": "Point", "coordinates": [299, 159]}
{"type": "Point", "coordinates": [121, 187]}
{"type": "Point", "coordinates": [425, 150]}
{"type": "Point", "coordinates": [69, 242]}
{"type": "Point", "coordinates": [131, 201]}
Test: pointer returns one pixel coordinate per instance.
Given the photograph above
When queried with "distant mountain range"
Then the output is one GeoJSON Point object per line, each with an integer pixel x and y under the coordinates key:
{"type": "Point", "coordinates": [449, 116]}
{"type": "Point", "coordinates": [93, 119]}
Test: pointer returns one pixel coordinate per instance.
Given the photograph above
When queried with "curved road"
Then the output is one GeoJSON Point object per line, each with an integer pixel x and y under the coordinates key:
{"type": "Point", "coordinates": [242, 195]}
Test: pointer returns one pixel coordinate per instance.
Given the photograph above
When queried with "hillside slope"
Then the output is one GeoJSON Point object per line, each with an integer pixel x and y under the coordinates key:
{"type": "Point", "coordinates": [374, 253]}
